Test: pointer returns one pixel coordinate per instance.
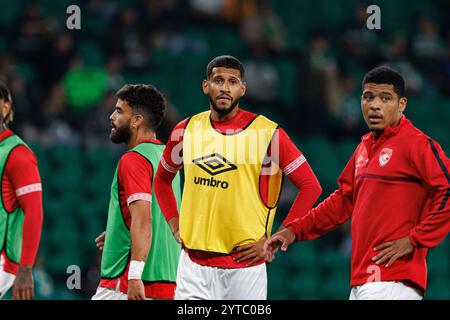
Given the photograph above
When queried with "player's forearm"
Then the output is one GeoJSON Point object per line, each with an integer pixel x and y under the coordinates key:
{"type": "Point", "coordinates": [164, 193]}
{"type": "Point", "coordinates": [31, 204]}
{"type": "Point", "coordinates": [330, 213]}
{"type": "Point", "coordinates": [140, 230]}
{"type": "Point", "coordinates": [435, 224]}
{"type": "Point", "coordinates": [433, 167]}
{"type": "Point", "coordinates": [309, 191]}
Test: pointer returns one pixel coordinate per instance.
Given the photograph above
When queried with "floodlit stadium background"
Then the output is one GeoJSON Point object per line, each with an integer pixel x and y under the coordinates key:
{"type": "Point", "coordinates": [304, 62]}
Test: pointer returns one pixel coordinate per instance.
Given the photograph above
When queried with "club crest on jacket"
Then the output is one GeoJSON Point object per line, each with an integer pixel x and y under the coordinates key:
{"type": "Point", "coordinates": [385, 156]}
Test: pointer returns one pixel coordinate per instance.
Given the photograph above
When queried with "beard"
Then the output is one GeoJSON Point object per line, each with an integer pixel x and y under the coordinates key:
{"type": "Point", "coordinates": [225, 111]}
{"type": "Point", "coordinates": [121, 135]}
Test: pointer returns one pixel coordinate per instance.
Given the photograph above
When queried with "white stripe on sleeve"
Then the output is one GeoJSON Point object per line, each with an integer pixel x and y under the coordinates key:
{"type": "Point", "coordinates": [294, 165]}
{"type": "Point", "coordinates": [139, 196]}
{"type": "Point", "coordinates": [35, 187]}
{"type": "Point", "coordinates": [167, 166]}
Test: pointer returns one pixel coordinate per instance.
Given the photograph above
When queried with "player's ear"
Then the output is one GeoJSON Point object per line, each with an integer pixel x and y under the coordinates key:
{"type": "Point", "coordinates": [138, 121]}
{"type": "Point", "coordinates": [243, 88]}
{"type": "Point", "coordinates": [5, 109]}
{"type": "Point", "coordinates": [205, 86]}
{"type": "Point", "coordinates": [402, 104]}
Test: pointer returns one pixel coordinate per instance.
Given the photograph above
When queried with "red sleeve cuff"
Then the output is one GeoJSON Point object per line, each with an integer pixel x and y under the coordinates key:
{"type": "Point", "coordinates": [412, 238]}
{"type": "Point", "coordinates": [295, 227]}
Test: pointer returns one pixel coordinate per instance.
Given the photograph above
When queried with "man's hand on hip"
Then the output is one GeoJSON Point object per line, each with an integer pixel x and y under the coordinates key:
{"type": "Point", "coordinates": [393, 250]}
{"type": "Point", "coordinates": [252, 251]}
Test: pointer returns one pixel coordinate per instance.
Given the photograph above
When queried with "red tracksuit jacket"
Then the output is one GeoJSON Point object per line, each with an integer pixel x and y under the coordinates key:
{"type": "Point", "coordinates": [395, 186]}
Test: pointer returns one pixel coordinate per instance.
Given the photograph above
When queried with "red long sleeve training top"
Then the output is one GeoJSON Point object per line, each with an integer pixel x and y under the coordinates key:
{"type": "Point", "coordinates": [21, 186]}
{"type": "Point", "coordinates": [395, 186]}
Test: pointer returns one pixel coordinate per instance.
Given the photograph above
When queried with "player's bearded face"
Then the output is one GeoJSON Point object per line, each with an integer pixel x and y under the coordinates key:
{"type": "Point", "coordinates": [224, 88]}
{"type": "Point", "coordinates": [121, 123]}
{"type": "Point", "coordinates": [223, 109]}
{"type": "Point", "coordinates": [120, 134]}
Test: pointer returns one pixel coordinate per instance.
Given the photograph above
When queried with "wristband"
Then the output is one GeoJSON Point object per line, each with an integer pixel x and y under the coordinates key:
{"type": "Point", "coordinates": [135, 271]}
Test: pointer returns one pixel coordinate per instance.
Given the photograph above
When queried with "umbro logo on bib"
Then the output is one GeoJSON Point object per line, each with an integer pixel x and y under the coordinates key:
{"type": "Point", "coordinates": [214, 164]}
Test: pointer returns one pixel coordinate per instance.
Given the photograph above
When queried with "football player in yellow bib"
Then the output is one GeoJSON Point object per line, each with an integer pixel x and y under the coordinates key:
{"type": "Point", "coordinates": [233, 163]}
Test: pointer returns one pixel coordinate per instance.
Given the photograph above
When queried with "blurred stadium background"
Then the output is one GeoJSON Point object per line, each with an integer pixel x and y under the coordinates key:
{"type": "Point", "coordinates": [304, 61]}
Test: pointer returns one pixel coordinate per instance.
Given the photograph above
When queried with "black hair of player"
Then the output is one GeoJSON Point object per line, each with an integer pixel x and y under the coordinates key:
{"type": "Point", "coordinates": [386, 75]}
{"type": "Point", "coordinates": [146, 100]}
{"type": "Point", "coordinates": [225, 61]}
{"type": "Point", "coordinates": [5, 95]}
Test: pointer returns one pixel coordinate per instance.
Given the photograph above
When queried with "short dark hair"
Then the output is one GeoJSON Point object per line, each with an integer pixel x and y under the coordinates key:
{"type": "Point", "coordinates": [5, 95]}
{"type": "Point", "coordinates": [386, 75]}
{"type": "Point", "coordinates": [225, 61]}
{"type": "Point", "coordinates": [146, 100]}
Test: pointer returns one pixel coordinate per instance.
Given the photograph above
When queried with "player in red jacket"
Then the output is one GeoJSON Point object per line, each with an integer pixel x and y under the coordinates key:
{"type": "Point", "coordinates": [20, 207]}
{"type": "Point", "coordinates": [395, 189]}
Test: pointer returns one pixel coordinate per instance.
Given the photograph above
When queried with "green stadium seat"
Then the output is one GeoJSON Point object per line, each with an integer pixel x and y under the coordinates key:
{"type": "Point", "coordinates": [100, 159]}
{"type": "Point", "coordinates": [55, 9]}
{"type": "Point", "coordinates": [287, 71]}
{"type": "Point", "coordinates": [344, 150]}
{"type": "Point", "coordinates": [9, 12]}
{"type": "Point", "coordinates": [324, 159]}
{"type": "Point", "coordinates": [332, 260]}
{"type": "Point", "coordinates": [276, 277]}
{"type": "Point", "coordinates": [335, 287]}
{"type": "Point", "coordinates": [26, 70]}
{"type": "Point", "coordinates": [303, 256]}
{"type": "Point", "coordinates": [438, 287]}
{"type": "Point", "coordinates": [91, 53]}
{"type": "Point", "coordinates": [303, 285]}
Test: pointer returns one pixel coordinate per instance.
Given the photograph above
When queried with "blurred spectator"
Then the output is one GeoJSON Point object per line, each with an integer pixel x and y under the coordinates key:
{"type": "Point", "coordinates": [262, 80]}
{"type": "Point", "coordinates": [171, 118]}
{"type": "Point", "coordinates": [162, 15]}
{"type": "Point", "coordinates": [360, 43]}
{"type": "Point", "coordinates": [317, 86]}
{"type": "Point", "coordinates": [395, 52]}
{"type": "Point", "coordinates": [32, 31]}
{"type": "Point", "coordinates": [58, 58]}
{"type": "Point", "coordinates": [346, 112]}
{"type": "Point", "coordinates": [236, 11]}
{"type": "Point", "coordinates": [6, 66]}
{"type": "Point", "coordinates": [81, 97]}
{"type": "Point", "coordinates": [55, 106]}
{"type": "Point", "coordinates": [179, 43]}
{"type": "Point", "coordinates": [428, 49]}
{"type": "Point", "coordinates": [97, 126]}
{"type": "Point", "coordinates": [97, 15]}
{"type": "Point", "coordinates": [54, 125]}
{"type": "Point", "coordinates": [427, 44]}
{"type": "Point", "coordinates": [264, 28]}
{"type": "Point", "coordinates": [114, 69]}
{"type": "Point", "coordinates": [232, 12]}
{"type": "Point", "coordinates": [210, 9]}
{"type": "Point", "coordinates": [23, 107]}
{"type": "Point", "coordinates": [128, 38]}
